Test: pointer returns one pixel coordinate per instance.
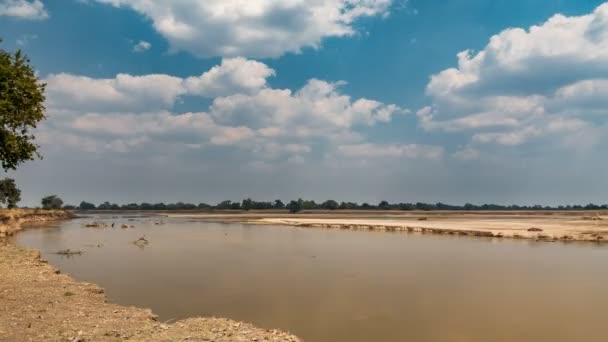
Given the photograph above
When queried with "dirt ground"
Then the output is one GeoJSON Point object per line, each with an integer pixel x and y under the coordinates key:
{"type": "Point", "coordinates": [12, 220]}
{"type": "Point", "coordinates": [37, 303]}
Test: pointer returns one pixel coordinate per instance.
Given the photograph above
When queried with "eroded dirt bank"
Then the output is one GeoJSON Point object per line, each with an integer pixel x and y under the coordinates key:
{"type": "Point", "coordinates": [37, 303]}
{"type": "Point", "coordinates": [12, 220]}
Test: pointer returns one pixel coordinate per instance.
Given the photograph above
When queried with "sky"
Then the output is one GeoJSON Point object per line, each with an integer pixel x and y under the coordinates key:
{"type": "Point", "coordinates": [454, 101]}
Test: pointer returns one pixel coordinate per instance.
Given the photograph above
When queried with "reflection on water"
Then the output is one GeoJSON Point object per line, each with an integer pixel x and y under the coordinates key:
{"type": "Point", "coordinates": [335, 285]}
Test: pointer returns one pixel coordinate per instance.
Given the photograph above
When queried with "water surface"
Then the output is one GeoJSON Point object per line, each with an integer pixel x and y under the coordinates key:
{"type": "Point", "coordinates": [337, 285]}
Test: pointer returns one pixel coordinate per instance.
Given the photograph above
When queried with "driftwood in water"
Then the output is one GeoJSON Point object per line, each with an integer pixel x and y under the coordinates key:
{"type": "Point", "coordinates": [141, 241]}
{"type": "Point", "coordinates": [96, 224]}
{"type": "Point", "coordinates": [68, 252]}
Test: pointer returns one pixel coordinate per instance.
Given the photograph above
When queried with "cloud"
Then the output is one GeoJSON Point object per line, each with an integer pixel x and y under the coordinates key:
{"type": "Point", "coordinates": [255, 28]}
{"type": "Point", "coordinates": [142, 46]}
{"type": "Point", "coordinates": [136, 113]}
{"type": "Point", "coordinates": [547, 84]}
{"type": "Point", "coordinates": [397, 151]}
{"type": "Point", "coordinates": [233, 76]}
{"type": "Point", "coordinates": [317, 109]}
{"type": "Point", "coordinates": [123, 93]}
{"type": "Point", "coordinates": [154, 91]}
{"type": "Point", "coordinates": [23, 9]}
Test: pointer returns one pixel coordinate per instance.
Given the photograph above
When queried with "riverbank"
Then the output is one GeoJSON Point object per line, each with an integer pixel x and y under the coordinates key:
{"type": "Point", "coordinates": [38, 303]}
{"type": "Point", "coordinates": [13, 220]}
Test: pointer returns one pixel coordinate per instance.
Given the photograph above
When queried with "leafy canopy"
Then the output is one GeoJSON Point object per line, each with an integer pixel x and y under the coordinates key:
{"type": "Point", "coordinates": [21, 108]}
{"type": "Point", "coordinates": [9, 194]}
{"type": "Point", "coordinates": [52, 202]}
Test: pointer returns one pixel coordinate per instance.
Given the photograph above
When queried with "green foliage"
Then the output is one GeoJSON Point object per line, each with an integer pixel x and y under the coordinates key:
{"type": "Point", "coordinates": [247, 204]}
{"type": "Point", "coordinates": [86, 206]}
{"type": "Point", "coordinates": [278, 204]}
{"type": "Point", "coordinates": [203, 206]}
{"type": "Point", "coordinates": [309, 205]}
{"type": "Point", "coordinates": [9, 194]}
{"type": "Point", "coordinates": [224, 205]}
{"type": "Point", "coordinates": [384, 205]}
{"type": "Point", "coordinates": [21, 109]}
{"type": "Point", "coordinates": [299, 205]}
{"type": "Point", "coordinates": [52, 202]}
{"type": "Point", "coordinates": [295, 206]}
{"type": "Point", "coordinates": [330, 205]}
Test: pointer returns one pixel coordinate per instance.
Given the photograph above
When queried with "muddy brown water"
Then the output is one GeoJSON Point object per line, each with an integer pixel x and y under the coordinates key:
{"type": "Point", "coordinates": [338, 285]}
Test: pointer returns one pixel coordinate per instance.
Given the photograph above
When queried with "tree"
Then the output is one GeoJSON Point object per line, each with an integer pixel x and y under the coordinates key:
{"type": "Point", "coordinates": [145, 206]}
{"type": "Point", "coordinates": [224, 205]}
{"type": "Point", "coordinates": [86, 206]}
{"type": "Point", "coordinates": [330, 205]}
{"type": "Point", "coordinates": [309, 205]}
{"type": "Point", "coordinates": [9, 194]}
{"type": "Point", "coordinates": [104, 206]}
{"type": "Point", "coordinates": [278, 204]}
{"type": "Point", "coordinates": [384, 205]}
{"type": "Point", "coordinates": [295, 206]}
{"type": "Point", "coordinates": [247, 204]}
{"type": "Point", "coordinates": [52, 202]}
{"type": "Point", "coordinates": [203, 206]}
{"type": "Point", "coordinates": [21, 108]}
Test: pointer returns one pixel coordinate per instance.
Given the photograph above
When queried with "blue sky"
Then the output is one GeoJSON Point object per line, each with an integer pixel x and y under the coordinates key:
{"type": "Point", "coordinates": [215, 100]}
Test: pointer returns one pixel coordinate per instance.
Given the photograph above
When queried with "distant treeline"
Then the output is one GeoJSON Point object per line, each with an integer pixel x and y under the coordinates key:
{"type": "Point", "coordinates": [299, 205]}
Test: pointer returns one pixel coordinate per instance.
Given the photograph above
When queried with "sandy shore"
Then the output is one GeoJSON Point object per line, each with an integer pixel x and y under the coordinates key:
{"type": "Point", "coordinates": [37, 303]}
{"type": "Point", "coordinates": [538, 226]}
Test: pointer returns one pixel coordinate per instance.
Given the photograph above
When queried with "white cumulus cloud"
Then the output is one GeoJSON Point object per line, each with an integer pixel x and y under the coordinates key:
{"type": "Point", "coordinates": [233, 76]}
{"type": "Point", "coordinates": [252, 28]}
{"type": "Point", "coordinates": [23, 9]}
{"type": "Point", "coordinates": [133, 112]}
{"type": "Point", "coordinates": [548, 82]}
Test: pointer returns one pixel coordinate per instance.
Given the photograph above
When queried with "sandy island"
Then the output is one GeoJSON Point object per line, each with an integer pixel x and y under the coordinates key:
{"type": "Point", "coordinates": [37, 303]}
{"type": "Point", "coordinates": [537, 225]}
{"type": "Point", "coordinates": [556, 226]}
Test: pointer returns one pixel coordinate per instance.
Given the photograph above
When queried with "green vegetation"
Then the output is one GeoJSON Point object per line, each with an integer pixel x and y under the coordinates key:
{"type": "Point", "coordinates": [295, 206]}
{"type": "Point", "coordinates": [52, 202]}
{"type": "Point", "coordinates": [21, 109]}
{"type": "Point", "coordinates": [300, 205]}
{"type": "Point", "coordinates": [9, 194]}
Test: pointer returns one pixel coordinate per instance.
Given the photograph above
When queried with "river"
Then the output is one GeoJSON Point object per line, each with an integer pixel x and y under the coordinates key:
{"type": "Point", "coordinates": [340, 285]}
